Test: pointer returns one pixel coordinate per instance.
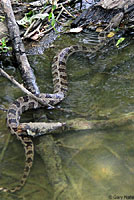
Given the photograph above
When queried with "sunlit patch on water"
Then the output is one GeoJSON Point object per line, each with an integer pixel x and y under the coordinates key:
{"type": "Point", "coordinates": [105, 170]}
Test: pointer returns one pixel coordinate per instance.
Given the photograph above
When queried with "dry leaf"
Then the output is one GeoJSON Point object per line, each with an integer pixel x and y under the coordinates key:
{"type": "Point", "coordinates": [111, 34]}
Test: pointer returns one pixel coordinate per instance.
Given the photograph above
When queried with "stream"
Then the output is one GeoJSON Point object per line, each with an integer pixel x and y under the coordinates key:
{"type": "Point", "coordinates": [98, 164]}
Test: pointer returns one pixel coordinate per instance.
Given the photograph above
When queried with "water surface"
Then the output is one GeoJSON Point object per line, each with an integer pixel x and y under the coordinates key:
{"type": "Point", "coordinates": [98, 162]}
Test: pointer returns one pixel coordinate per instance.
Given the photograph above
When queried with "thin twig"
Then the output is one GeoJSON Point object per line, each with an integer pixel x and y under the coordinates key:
{"type": "Point", "coordinates": [67, 11]}
{"type": "Point", "coordinates": [29, 28]}
{"type": "Point", "coordinates": [59, 5]}
{"type": "Point", "coordinates": [34, 31]}
{"type": "Point", "coordinates": [59, 13]}
{"type": "Point", "coordinates": [36, 22]}
{"type": "Point", "coordinates": [23, 88]}
{"type": "Point", "coordinates": [46, 31]}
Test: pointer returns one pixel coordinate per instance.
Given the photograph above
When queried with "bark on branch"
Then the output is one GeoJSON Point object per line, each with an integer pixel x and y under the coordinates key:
{"type": "Point", "coordinates": [18, 48]}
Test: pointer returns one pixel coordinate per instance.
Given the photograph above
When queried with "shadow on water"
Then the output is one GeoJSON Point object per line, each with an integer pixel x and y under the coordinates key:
{"type": "Point", "coordinates": [97, 163]}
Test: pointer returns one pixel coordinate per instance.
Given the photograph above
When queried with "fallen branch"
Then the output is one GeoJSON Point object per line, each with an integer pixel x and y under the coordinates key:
{"type": "Point", "coordinates": [81, 124]}
{"type": "Point", "coordinates": [18, 48]}
{"type": "Point", "coordinates": [116, 123]}
{"type": "Point", "coordinates": [35, 129]}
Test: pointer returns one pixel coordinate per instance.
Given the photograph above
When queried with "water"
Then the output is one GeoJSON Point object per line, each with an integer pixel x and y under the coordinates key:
{"type": "Point", "coordinates": [98, 161]}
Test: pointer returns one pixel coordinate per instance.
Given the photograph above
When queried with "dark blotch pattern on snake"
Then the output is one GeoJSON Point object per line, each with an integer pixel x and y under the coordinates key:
{"type": "Point", "coordinates": [25, 103]}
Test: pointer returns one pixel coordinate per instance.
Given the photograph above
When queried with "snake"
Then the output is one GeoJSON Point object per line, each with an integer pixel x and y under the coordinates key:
{"type": "Point", "coordinates": [25, 103]}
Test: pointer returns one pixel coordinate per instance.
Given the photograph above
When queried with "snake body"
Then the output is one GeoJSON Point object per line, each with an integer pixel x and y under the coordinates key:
{"type": "Point", "coordinates": [25, 103]}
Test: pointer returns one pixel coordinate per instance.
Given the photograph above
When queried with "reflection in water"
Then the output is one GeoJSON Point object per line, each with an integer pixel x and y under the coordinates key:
{"type": "Point", "coordinates": [97, 163]}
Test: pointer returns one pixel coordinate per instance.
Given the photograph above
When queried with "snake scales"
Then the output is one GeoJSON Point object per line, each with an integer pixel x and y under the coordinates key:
{"type": "Point", "coordinates": [25, 103]}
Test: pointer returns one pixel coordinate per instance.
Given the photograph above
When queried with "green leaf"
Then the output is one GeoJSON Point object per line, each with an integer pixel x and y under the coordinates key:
{"type": "Point", "coordinates": [3, 45]}
{"type": "Point", "coordinates": [120, 40]}
{"type": "Point", "coordinates": [53, 7]}
{"type": "Point", "coordinates": [30, 13]}
{"type": "Point", "coordinates": [2, 18]}
{"type": "Point", "coordinates": [3, 41]}
{"type": "Point", "coordinates": [53, 20]}
{"type": "Point", "coordinates": [50, 16]}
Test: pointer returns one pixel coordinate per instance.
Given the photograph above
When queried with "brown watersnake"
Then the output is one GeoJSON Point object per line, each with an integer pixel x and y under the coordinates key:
{"type": "Point", "coordinates": [25, 103]}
